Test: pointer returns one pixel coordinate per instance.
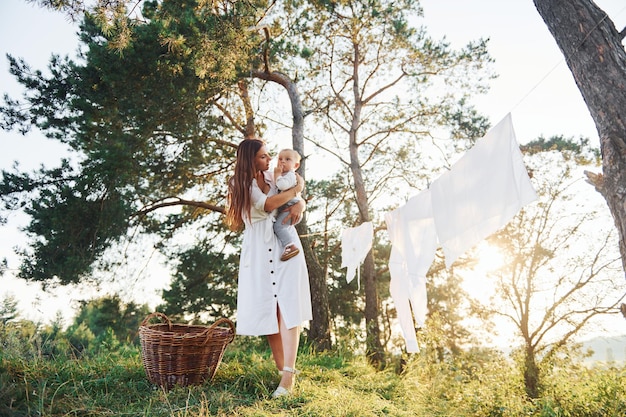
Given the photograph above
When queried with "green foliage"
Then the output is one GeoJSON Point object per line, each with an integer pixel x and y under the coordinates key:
{"type": "Point", "coordinates": [580, 149]}
{"type": "Point", "coordinates": [19, 337]}
{"type": "Point", "coordinates": [80, 337]}
{"type": "Point", "coordinates": [546, 288]}
{"type": "Point", "coordinates": [64, 247]}
{"type": "Point", "coordinates": [448, 305]}
{"type": "Point", "coordinates": [3, 262]}
{"type": "Point", "coordinates": [203, 285]}
{"type": "Point", "coordinates": [144, 127]}
{"type": "Point", "coordinates": [577, 390]}
{"type": "Point", "coordinates": [73, 220]}
{"type": "Point", "coordinates": [101, 324]}
{"type": "Point", "coordinates": [8, 309]}
{"type": "Point", "coordinates": [478, 383]}
{"type": "Point", "coordinates": [106, 320]}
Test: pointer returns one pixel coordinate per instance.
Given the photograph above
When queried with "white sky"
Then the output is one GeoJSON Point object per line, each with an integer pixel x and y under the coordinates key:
{"type": "Point", "coordinates": [534, 85]}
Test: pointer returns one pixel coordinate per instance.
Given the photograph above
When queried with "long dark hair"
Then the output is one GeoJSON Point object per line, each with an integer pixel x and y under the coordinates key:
{"type": "Point", "coordinates": [239, 184]}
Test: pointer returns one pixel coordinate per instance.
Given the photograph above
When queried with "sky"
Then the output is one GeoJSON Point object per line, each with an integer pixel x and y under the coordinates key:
{"type": "Point", "coordinates": [534, 85]}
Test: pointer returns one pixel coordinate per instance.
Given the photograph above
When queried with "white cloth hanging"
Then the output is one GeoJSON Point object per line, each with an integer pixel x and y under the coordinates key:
{"type": "Point", "coordinates": [413, 239]}
{"type": "Point", "coordinates": [478, 196]}
{"type": "Point", "coordinates": [356, 242]}
{"type": "Point", "coordinates": [482, 191]}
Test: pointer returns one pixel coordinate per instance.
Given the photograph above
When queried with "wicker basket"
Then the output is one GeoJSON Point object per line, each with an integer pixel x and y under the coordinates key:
{"type": "Point", "coordinates": [181, 354]}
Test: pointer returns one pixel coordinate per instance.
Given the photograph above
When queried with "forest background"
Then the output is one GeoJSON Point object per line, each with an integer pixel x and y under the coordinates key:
{"type": "Point", "coordinates": [540, 77]}
{"type": "Point", "coordinates": [532, 274]}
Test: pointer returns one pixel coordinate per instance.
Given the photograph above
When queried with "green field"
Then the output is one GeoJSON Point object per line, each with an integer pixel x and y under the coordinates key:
{"type": "Point", "coordinates": [112, 382]}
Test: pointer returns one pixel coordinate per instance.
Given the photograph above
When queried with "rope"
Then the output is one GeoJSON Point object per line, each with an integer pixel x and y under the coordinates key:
{"type": "Point", "coordinates": [564, 59]}
{"type": "Point", "coordinates": [327, 232]}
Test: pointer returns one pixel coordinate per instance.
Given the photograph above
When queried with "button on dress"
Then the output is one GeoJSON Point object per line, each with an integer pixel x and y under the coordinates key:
{"type": "Point", "coordinates": [265, 282]}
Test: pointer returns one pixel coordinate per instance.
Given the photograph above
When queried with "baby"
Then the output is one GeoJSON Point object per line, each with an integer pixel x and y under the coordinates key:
{"type": "Point", "coordinates": [285, 178]}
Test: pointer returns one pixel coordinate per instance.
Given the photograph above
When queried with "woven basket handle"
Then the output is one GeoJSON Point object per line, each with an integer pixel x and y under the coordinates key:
{"type": "Point", "coordinates": [161, 316]}
{"type": "Point", "coordinates": [217, 323]}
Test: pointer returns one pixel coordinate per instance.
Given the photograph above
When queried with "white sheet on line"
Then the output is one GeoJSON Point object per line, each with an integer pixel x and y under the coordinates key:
{"type": "Point", "coordinates": [478, 196]}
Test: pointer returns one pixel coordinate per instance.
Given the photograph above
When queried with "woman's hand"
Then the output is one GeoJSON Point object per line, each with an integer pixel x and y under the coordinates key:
{"type": "Point", "coordinates": [295, 213]}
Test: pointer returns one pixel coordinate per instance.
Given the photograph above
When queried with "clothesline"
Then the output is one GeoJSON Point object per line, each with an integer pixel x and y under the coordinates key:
{"type": "Point", "coordinates": [325, 232]}
{"type": "Point", "coordinates": [530, 91]}
{"type": "Point", "coordinates": [562, 60]}
{"type": "Point", "coordinates": [479, 195]}
{"type": "Point", "coordinates": [440, 215]}
{"type": "Point", "coordinates": [338, 230]}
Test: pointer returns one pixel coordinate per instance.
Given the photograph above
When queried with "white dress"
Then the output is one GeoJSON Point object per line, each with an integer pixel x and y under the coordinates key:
{"type": "Point", "coordinates": [266, 282]}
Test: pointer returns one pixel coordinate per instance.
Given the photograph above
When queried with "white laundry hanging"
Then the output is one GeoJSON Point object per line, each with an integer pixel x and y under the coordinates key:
{"type": "Point", "coordinates": [413, 239]}
{"type": "Point", "coordinates": [482, 192]}
{"type": "Point", "coordinates": [478, 196]}
{"type": "Point", "coordinates": [356, 242]}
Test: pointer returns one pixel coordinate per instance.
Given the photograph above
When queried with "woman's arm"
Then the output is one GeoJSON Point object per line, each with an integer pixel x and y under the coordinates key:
{"type": "Point", "coordinates": [295, 213]}
{"type": "Point", "coordinates": [281, 198]}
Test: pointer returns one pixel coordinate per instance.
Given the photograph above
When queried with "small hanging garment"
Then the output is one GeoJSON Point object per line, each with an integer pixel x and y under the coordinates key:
{"type": "Point", "coordinates": [356, 242]}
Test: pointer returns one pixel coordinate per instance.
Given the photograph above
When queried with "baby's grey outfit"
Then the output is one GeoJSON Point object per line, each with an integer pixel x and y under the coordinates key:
{"type": "Point", "coordinates": [285, 182]}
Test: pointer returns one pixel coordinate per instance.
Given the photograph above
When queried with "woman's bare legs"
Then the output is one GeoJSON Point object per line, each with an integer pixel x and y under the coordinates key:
{"type": "Point", "coordinates": [284, 346]}
{"type": "Point", "coordinates": [276, 345]}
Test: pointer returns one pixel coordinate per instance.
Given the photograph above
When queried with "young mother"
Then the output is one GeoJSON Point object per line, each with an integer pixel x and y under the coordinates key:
{"type": "Point", "coordinates": [273, 296]}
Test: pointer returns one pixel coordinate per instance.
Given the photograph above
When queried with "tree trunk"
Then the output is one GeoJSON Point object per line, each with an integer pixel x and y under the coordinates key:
{"type": "Point", "coordinates": [375, 352]}
{"type": "Point", "coordinates": [374, 348]}
{"type": "Point", "coordinates": [319, 332]}
{"type": "Point", "coordinates": [595, 56]}
{"type": "Point", "coordinates": [531, 374]}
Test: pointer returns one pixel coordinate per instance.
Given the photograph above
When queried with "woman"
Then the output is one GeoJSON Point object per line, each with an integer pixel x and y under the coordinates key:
{"type": "Point", "coordinates": [273, 296]}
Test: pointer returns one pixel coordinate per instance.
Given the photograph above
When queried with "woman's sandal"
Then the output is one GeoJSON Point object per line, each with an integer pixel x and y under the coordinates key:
{"type": "Point", "coordinates": [290, 252]}
{"type": "Point", "coordinates": [282, 391]}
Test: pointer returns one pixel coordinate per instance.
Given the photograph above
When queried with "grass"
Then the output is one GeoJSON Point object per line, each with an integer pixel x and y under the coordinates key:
{"type": "Point", "coordinates": [330, 384]}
